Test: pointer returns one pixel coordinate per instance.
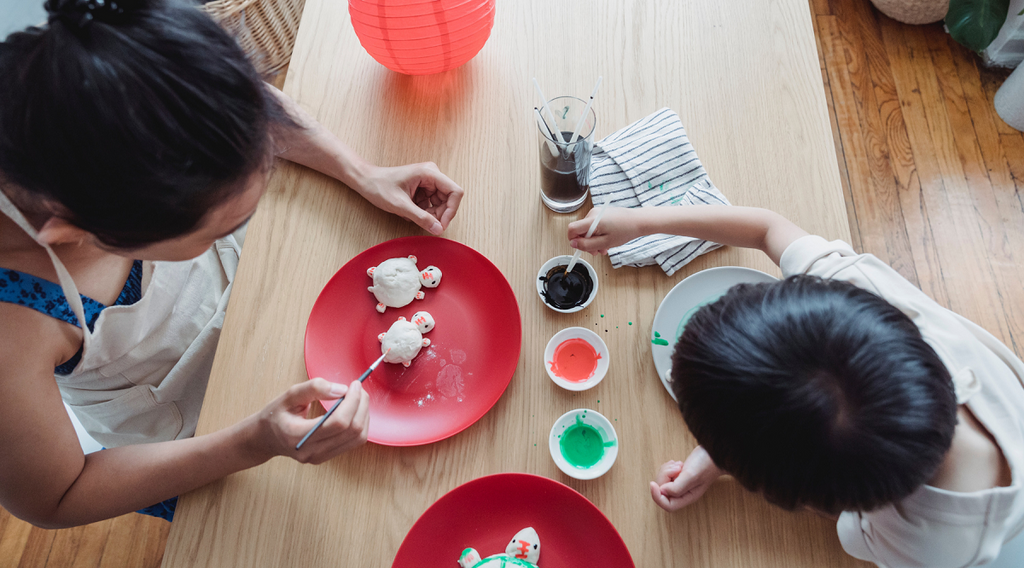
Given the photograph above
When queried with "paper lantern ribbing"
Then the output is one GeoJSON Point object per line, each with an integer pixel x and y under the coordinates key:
{"type": "Point", "coordinates": [420, 37]}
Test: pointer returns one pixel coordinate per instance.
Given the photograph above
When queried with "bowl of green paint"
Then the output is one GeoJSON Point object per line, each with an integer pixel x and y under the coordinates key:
{"type": "Point", "coordinates": [576, 358]}
{"type": "Point", "coordinates": [583, 444]}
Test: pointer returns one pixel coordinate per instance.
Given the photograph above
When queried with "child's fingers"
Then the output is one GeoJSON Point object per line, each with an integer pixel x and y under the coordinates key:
{"type": "Point", "coordinates": [593, 244]}
{"type": "Point", "coordinates": [667, 472]}
{"type": "Point", "coordinates": [658, 498]}
{"type": "Point", "coordinates": [670, 504]}
{"type": "Point", "coordinates": [580, 228]}
{"type": "Point", "coordinates": [678, 487]}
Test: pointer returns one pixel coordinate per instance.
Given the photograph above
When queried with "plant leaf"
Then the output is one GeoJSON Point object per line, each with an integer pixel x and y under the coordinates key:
{"type": "Point", "coordinates": [975, 23]}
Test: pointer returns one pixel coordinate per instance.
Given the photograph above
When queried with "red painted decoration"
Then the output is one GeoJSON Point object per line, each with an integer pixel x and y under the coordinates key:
{"type": "Point", "coordinates": [420, 37]}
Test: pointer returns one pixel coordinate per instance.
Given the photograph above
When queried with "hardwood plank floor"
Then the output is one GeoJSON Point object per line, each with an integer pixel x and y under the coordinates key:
{"type": "Point", "coordinates": [933, 180]}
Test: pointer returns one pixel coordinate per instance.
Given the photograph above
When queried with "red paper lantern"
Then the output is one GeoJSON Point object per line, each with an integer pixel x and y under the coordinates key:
{"type": "Point", "coordinates": [420, 37]}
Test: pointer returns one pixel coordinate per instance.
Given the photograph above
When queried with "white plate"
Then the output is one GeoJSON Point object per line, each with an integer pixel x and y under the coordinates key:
{"type": "Point", "coordinates": [590, 337]}
{"type": "Point", "coordinates": [604, 428]}
{"type": "Point", "coordinates": [686, 298]}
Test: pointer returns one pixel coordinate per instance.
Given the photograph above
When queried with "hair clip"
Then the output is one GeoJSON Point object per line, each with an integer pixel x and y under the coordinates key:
{"type": "Point", "coordinates": [81, 13]}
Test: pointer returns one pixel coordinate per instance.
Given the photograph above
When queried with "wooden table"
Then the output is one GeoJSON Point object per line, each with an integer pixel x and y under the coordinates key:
{"type": "Point", "coordinates": [743, 77]}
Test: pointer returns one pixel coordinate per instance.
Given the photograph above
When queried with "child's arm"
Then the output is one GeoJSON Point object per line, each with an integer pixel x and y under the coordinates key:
{"type": "Point", "coordinates": [678, 484]}
{"type": "Point", "coordinates": [418, 192]}
{"type": "Point", "coordinates": [45, 478]}
{"type": "Point", "coordinates": [748, 227]}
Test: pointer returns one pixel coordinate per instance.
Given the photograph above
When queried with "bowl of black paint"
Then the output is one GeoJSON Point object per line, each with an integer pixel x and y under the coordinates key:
{"type": "Point", "coordinates": [566, 293]}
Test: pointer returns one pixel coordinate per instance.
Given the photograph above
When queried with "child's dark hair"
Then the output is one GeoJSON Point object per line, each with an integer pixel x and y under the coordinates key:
{"type": "Point", "coordinates": [130, 119]}
{"type": "Point", "coordinates": [815, 393]}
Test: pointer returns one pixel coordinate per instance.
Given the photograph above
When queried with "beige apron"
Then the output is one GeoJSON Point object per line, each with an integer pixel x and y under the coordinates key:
{"type": "Point", "coordinates": [144, 367]}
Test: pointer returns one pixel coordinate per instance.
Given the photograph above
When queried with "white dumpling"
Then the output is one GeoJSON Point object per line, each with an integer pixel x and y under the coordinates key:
{"type": "Point", "coordinates": [402, 342]}
{"type": "Point", "coordinates": [396, 282]}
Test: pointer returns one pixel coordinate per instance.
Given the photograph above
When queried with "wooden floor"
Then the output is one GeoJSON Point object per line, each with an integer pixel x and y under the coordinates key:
{"type": "Point", "coordinates": [933, 182]}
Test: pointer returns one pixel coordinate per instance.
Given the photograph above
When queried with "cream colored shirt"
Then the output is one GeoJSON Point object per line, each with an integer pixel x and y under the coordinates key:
{"type": "Point", "coordinates": [933, 527]}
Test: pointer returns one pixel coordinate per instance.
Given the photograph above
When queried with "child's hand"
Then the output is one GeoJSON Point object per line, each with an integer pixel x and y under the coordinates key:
{"type": "Point", "coordinates": [618, 226]}
{"type": "Point", "coordinates": [679, 484]}
{"type": "Point", "coordinates": [418, 192]}
{"type": "Point", "coordinates": [283, 422]}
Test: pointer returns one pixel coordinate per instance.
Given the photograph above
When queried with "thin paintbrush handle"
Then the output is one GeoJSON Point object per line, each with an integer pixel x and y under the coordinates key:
{"type": "Point", "coordinates": [333, 408]}
{"type": "Point", "coordinates": [544, 102]}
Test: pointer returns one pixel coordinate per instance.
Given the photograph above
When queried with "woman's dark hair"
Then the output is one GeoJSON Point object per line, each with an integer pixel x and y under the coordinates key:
{"type": "Point", "coordinates": [130, 119]}
{"type": "Point", "coordinates": [815, 393]}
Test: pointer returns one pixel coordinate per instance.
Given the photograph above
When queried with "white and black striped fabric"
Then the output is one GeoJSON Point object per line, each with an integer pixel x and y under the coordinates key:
{"type": "Point", "coordinates": [651, 163]}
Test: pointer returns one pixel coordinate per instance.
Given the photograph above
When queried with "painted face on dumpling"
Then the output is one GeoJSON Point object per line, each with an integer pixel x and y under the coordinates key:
{"type": "Point", "coordinates": [430, 277]}
{"type": "Point", "coordinates": [525, 545]}
{"type": "Point", "coordinates": [423, 321]}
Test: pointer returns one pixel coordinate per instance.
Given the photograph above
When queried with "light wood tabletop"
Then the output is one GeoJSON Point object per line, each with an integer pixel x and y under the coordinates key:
{"type": "Point", "coordinates": [745, 81]}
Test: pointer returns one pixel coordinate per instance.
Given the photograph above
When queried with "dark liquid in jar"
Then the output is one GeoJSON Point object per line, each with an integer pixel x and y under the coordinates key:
{"type": "Point", "coordinates": [566, 291]}
{"type": "Point", "coordinates": [566, 177]}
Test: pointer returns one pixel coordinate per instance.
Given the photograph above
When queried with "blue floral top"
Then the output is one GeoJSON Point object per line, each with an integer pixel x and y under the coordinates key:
{"type": "Point", "coordinates": [48, 298]}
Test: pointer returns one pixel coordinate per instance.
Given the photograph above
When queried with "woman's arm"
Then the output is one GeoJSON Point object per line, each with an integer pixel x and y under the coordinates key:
{"type": "Point", "coordinates": [418, 192]}
{"type": "Point", "coordinates": [46, 480]}
{"type": "Point", "coordinates": [748, 227]}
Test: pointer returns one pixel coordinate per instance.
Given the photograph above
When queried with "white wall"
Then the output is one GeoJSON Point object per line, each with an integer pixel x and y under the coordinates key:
{"type": "Point", "coordinates": [18, 14]}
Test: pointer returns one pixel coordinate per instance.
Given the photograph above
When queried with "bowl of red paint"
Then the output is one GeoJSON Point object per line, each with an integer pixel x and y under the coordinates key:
{"type": "Point", "coordinates": [576, 359]}
{"type": "Point", "coordinates": [583, 444]}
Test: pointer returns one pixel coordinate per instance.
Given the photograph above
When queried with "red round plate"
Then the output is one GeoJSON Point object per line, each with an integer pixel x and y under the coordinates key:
{"type": "Point", "coordinates": [487, 512]}
{"type": "Point", "coordinates": [472, 356]}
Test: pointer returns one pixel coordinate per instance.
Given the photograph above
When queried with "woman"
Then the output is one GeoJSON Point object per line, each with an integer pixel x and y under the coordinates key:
{"type": "Point", "coordinates": [135, 143]}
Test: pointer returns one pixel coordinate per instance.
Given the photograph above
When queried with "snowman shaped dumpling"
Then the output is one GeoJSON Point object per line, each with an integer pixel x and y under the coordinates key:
{"type": "Point", "coordinates": [405, 338]}
{"type": "Point", "coordinates": [397, 282]}
{"type": "Point", "coordinates": [522, 552]}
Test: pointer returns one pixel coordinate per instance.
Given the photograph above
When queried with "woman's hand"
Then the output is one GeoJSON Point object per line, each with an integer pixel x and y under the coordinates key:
{"type": "Point", "coordinates": [282, 423]}
{"type": "Point", "coordinates": [418, 192]}
{"type": "Point", "coordinates": [618, 226]}
{"type": "Point", "coordinates": [678, 484]}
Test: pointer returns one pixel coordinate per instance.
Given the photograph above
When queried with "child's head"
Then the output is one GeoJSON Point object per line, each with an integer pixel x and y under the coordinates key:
{"type": "Point", "coordinates": [130, 123]}
{"type": "Point", "coordinates": [815, 393]}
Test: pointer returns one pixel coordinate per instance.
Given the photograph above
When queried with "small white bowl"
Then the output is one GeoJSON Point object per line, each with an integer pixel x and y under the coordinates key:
{"type": "Point", "coordinates": [604, 428]}
{"type": "Point", "coordinates": [590, 337]}
{"type": "Point", "coordinates": [564, 260]}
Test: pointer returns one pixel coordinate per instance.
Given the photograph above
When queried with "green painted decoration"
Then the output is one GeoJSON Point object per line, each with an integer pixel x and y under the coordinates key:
{"type": "Point", "coordinates": [658, 339]}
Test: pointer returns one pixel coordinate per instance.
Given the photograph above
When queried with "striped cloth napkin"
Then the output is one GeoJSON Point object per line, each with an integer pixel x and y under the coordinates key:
{"type": "Point", "coordinates": [651, 163]}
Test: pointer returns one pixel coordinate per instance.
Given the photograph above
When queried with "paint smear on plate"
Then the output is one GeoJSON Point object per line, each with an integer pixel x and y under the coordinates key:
{"type": "Point", "coordinates": [658, 340]}
{"type": "Point", "coordinates": [575, 360]}
{"type": "Point", "coordinates": [449, 382]}
{"type": "Point", "coordinates": [582, 445]}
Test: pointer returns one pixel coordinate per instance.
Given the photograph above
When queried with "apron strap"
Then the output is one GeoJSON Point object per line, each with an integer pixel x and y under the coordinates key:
{"type": "Point", "coordinates": [66, 283]}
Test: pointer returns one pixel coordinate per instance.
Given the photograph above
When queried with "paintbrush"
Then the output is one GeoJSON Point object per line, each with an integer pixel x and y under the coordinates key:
{"type": "Point", "coordinates": [590, 233]}
{"type": "Point", "coordinates": [336, 404]}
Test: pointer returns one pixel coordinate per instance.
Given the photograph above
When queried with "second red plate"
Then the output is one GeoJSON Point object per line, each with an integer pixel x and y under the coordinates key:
{"type": "Point", "coordinates": [474, 346]}
{"type": "Point", "coordinates": [485, 513]}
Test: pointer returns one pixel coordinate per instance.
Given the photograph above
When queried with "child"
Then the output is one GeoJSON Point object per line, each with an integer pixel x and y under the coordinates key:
{"type": "Point", "coordinates": [135, 141]}
{"type": "Point", "coordinates": [843, 389]}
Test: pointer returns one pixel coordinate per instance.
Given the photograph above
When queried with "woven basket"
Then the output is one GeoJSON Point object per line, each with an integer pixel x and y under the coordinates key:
{"type": "Point", "coordinates": [264, 28]}
{"type": "Point", "coordinates": [913, 11]}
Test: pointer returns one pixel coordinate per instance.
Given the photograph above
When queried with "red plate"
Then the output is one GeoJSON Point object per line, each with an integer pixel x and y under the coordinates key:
{"type": "Point", "coordinates": [487, 512]}
{"type": "Point", "coordinates": [472, 356]}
